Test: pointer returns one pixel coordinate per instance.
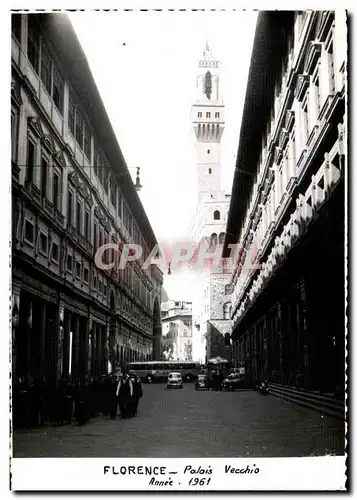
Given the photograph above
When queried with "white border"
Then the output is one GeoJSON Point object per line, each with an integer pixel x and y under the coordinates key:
{"type": "Point", "coordinates": [96, 474]}
{"type": "Point", "coordinates": [48, 469]}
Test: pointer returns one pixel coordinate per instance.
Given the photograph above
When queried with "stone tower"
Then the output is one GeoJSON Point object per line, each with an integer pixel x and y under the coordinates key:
{"type": "Point", "coordinates": [208, 125]}
{"type": "Point", "coordinates": [210, 322]}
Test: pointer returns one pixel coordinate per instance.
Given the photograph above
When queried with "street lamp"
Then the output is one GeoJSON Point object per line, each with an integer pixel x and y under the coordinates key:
{"type": "Point", "coordinates": [138, 186]}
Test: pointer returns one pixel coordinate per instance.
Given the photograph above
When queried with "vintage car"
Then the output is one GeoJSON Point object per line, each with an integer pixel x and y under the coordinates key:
{"type": "Point", "coordinates": [174, 380]}
{"type": "Point", "coordinates": [234, 381]}
{"type": "Point", "coordinates": [202, 382]}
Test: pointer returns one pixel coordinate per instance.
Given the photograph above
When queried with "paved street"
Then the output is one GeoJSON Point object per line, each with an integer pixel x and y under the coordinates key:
{"type": "Point", "coordinates": [186, 423]}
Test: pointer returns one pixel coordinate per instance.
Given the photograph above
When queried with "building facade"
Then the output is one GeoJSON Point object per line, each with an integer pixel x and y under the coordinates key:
{"type": "Point", "coordinates": [72, 193]}
{"type": "Point", "coordinates": [287, 206]}
{"type": "Point", "coordinates": [211, 324]}
{"type": "Point", "coordinates": [176, 318]}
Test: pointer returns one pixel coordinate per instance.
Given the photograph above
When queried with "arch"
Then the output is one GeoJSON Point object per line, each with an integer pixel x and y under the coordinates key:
{"type": "Point", "coordinates": [221, 238]}
{"type": "Point", "coordinates": [227, 308]}
{"type": "Point", "coordinates": [213, 239]}
{"type": "Point", "coordinates": [208, 85]}
{"type": "Point", "coordinates": [216, 215]}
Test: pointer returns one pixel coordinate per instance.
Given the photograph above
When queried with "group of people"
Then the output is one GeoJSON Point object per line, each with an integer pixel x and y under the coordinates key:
{"type": "Point", "coordinates": [36, 403]}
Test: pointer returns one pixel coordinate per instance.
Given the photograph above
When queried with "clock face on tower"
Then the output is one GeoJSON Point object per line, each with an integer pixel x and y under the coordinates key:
{"type": "Point", "coordinates": [208, 85]}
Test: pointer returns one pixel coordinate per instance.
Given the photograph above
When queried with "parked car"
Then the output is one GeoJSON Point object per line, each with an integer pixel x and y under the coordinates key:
{"type": "Point", "coordinates": [202, 382]}
{"type": "Point", "coordinates": [174, 380]}
{"type": "Point", "coordinates": [234, 381]}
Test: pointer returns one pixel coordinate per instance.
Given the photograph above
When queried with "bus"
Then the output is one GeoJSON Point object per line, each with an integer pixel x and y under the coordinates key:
{"type": "Point", "coordinates": [158, 371]}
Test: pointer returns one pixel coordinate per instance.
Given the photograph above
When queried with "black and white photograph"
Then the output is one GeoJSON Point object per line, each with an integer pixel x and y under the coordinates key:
{"type": "Point", "coordinates": [178, 249]}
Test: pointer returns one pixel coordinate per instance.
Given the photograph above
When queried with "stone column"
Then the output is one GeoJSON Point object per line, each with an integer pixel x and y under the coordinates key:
{"type": "Point", "coordinates": [60, 341]}
{"type": "Point", "coordinates": [94, 349]}
{"type": "Point", "coordinates": [15, 326]}
{"type": "Point", "coordinates": [280, 341]}
{"type": "Point", "coordinates": [66, 342]}
{"type": "Point", "coordinates": [98, 349]}
{"type": "Point", "coordinates": [90, 345]}
{"type": "Point", "coordinates": [75, 350]}
{"type": "Point", "coordinates": [106, 351]}
{"type": "Point", "coordinates": [43, 368]}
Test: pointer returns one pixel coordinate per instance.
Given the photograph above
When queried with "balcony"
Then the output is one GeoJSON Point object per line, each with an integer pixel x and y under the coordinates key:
{"type": "Point", "coordinates": [47, 206]}
{"type": "Point", "coordinates": [59, 217]}
{"type": "Point", "coordinates": [33, 192]}
{"type": "Point", "coordinates": [72, 232]}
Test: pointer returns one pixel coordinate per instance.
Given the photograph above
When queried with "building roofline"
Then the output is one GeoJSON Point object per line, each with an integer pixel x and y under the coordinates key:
{"type": "Point", "coordinates": [268, 46]}
{"type": "Point", "coordinates": [75, 64]}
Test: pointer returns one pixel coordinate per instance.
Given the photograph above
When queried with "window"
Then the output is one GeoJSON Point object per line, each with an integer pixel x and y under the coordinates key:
{"type": "Point", "coordinates": [95, 282]}
{"type": "Point", "coordinates": [305, 117]}
{"type": "Point", "coordinates": [71, 115]}
{"type": "Point", "coordinates": [208, 114]}
{"type": "Point", "coordinates": [57, 90]}
{"type": "Point", "coordinates": [113, 192]}
{"type": "Point", "coordinates": [316, 84]}
{"type": "Point", "coordinates": [208, 85]}
{"type": "Point", "coordinates": [79, 217]}
{"type": "Point", "coordinates": [227, 310]}
{"type": "Point", "coordinates": [46, 69]}
{"type": "Point", "coordinates": [31, 160]}
{"type": "Point", "coordinates": [70, 208]}
{"type": "Point", "coordinates": [213, 240]}
{"type": "Point", "coordinates": [86, 274]}
{"type": "Point", "coordinates": [33, 42]}
{"type": "Point", "coordinates": [29, 232]}
{"type": "Point", "coordinates": [44, 174]}
{"type": "Point", "coordinates": [221, 238]}
{"type": "Point", "coordinates": [105, 290]}
{"type": "Point", "coordinates": [209, 170]}
{"type": "Point", "coordinates": [86, 225]}
{"type": "Point", "coordinates": [69, 263]}
{"type": "Point", "coordinates": [79, 128]}
{"type": "Point", "coordinates": [16, 26]}
{"type": "Point", "coordinates": [216, 115]}
{"type": "Point", "coordinates": [78, 269]}
{"type": "Point", "coordinates": [105, 177]}
{"type": "Point", "coordinates": [43, 243]}
{"type": "Point", "coordinates": [216, 215]}
{"type": "Point", "coordinates": [96, 234]}
{"type": "Point", "coordinates": [331, 63]}
{"type": "Point", "coordinates": [14, 131]}
{"type": "Point", "coordinates": [199, 114]}
{"type": "Point", "coordinates": [100, 286]}
{"type": "Point", "coordinates": [208, 151]}
{"type": "Point", "coordinates": [56, 189]}
{"type": "Point", "coordinates": [87, 141]}
{"type": "Point", "coordinates": [55, 252]}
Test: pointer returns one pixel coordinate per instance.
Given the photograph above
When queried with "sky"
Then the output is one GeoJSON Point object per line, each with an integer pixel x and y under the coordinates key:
{"type": "Point", "coordinates": [145, 67]}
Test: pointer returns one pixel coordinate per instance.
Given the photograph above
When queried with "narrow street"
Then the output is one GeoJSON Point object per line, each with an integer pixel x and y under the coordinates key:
{"type": "Point", "coordinates": [187, 423]}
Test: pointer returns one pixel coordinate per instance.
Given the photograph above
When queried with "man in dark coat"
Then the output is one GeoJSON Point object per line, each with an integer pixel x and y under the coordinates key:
{"type": "Point", "coordinates": [137, 394]}
{"type": "Point", "coordinates": [124, 393]}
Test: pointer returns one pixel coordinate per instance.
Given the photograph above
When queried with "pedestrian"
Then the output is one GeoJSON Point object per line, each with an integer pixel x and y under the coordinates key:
{"type": "Point", "coordinates": [137, 394]}
{"type": "Point", "coordinates": [82, 407]}
{"type": "Point", "coordinates": [124, 393]}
